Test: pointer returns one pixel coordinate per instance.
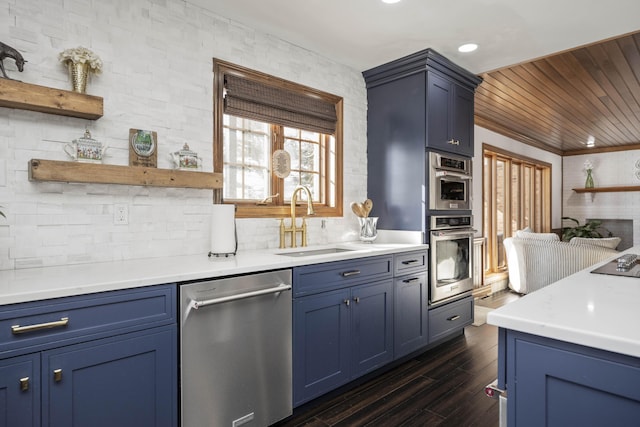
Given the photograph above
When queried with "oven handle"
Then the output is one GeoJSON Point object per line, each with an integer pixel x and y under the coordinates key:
{"type": "Point", "coordinates": [465, 232]}
{"type": "Point", "coordinates": [439, 173]}
{"type": "Point", "coordinates": [199, 304]}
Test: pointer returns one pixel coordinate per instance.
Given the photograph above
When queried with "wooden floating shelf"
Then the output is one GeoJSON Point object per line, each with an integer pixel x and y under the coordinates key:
{"type": "Point", "coordinates": [96, 173]}
{"type": "Point", "coordinates": [26, 96]}
{"type": "Point", "coordinates": [607, 189]}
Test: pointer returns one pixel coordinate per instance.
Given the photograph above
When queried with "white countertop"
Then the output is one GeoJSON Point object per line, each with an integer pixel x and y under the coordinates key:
{"type": "Point", "coordinates": [594, 310]}
{"type": "Point", "coordinates": [53, 282]}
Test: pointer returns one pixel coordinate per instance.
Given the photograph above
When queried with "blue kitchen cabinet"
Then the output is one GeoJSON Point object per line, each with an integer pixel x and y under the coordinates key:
{"type": "Point", "coordinates": [411, 295]}
{"type": "Point", "coordinates": [418, 103]}
{"type": "Point", "coordinates": [343, 326]}
{"type": "Point", "coordinates": [321, 345]}
{"type": "Point", "coordinates": [556, 383]}
{"type": "Point", "coordinates": [20, 391]}
{"type": "Point", "coordinates": [118, 381]}
{"type": "Point", "coordinates": [411, 315]}
{"type": "Point", "coordinates": [98, 359]}
{"type": "Point", "coordinates": [371, 326]}
{"type": "Point", "coordinates": [449, 115]}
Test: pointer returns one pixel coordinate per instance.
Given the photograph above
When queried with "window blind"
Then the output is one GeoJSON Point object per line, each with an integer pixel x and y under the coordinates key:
{"type": "Point", "coordinates": [273, 104]}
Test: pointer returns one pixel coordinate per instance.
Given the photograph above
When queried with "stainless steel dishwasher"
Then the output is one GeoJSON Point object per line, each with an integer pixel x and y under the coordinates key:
{"type": "Point", "coordinates": [235, 350]}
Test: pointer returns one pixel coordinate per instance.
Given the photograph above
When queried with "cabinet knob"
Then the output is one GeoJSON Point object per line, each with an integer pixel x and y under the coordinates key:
{"type": "Point", "coordinates": [356, 299]}
{"type": "Point", "coordinates": [57, 375]}
{"type": "Point", "coordinates": [24, 384]}
{"type": "Point", "coordinates": [347, 302]}
{"type": "Point", "coordinates": [453, 142]}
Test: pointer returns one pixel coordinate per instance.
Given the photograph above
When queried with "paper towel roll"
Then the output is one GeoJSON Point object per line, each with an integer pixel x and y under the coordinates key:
{"type": "Point", "coordinates": [223, 230]}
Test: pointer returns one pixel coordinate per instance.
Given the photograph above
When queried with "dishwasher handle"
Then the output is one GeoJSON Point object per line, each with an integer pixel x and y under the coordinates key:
{"type": "Point", "coordinates": [281, 287]}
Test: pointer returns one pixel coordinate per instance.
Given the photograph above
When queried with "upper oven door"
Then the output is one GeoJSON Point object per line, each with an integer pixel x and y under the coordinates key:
{"type": "Point", "coordinates": [449, 191]}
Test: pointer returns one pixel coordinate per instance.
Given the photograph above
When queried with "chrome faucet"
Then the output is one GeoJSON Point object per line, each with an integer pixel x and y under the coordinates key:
{"type": "Point", "coordinates": [293, 228]}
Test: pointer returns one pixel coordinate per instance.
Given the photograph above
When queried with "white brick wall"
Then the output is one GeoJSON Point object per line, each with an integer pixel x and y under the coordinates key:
{"type": "Point", "coordinates": [157, 75]}
{"type": "Point", "coordinates": [609, 170]}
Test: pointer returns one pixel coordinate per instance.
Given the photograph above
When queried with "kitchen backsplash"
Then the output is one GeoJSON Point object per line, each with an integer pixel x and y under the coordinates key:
{"type": "Point", "coordinates": [157, 75]}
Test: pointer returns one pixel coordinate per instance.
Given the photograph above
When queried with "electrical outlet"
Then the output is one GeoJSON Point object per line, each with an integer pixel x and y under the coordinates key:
{"type": "Point", "coordinates": [121, 214]}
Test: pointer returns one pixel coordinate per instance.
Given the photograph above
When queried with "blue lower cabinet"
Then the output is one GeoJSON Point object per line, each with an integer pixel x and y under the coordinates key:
{"type": "Point", "coordinates": [555, 383]}
{"type": "Point", "coordinates": [340, 335]}
{"type": "Point", "coordinates": [106, 359]}
{"type": "Point", "coordinates": [371, 327]}
{"type": "Point", "coordinates": [410, 314]}
{"type": "Point", "coordinates": [120, 381]}
{"type": "Point", "coordinates": [20, 391]}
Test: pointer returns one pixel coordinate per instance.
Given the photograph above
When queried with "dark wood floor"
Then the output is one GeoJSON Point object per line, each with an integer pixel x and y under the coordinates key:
{"type": "Point", "coordinates": [443, 386]}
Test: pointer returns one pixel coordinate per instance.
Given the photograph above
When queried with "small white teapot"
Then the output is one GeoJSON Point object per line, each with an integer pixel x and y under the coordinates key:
{"type": "Point", "coordinates": [86, 149]}
{"type": "Point", "coordinates": [186, 158]}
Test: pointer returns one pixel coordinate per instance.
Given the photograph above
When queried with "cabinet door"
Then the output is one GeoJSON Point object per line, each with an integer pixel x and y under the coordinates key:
{"type": "Point", "coordinates": [20, 391]}
{"type": "Point", "coordinates": [558, 384]}
{"type": "Point", "coordinates": [449, 116]}
{"type": "Point", "coordinates": [320, 344]}
{"type": "Point", "coordinates": [410, 314]}
{"type": "Point", "coordinates": [120, 381]}
{"type": "Point", "coordinates": [439, 114]}
{"type": "Point", "coordinates": [371, 326]}
{"type": "Point", "coordinates": [462, 120]}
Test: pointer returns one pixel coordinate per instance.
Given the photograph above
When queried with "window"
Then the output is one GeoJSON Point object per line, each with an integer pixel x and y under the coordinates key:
{"type": "Point", "coordinates": [517, 194]}
{"type": "Point", "coordinates": [257, 116]}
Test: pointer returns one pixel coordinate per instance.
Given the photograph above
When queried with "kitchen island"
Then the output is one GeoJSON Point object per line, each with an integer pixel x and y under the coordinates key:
{"type": "Point", "coordinates": [569, 354]}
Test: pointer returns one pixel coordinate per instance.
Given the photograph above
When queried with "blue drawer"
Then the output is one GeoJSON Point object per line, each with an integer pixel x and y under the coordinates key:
{"type": "Point", "coordinates": [311, 279]}
{"type": "Point", "coordinates": [410, 262]}
{"type": "Point", "coordinates": [448, 318]}
{"type": "Point", "coordinates": [33, 326]}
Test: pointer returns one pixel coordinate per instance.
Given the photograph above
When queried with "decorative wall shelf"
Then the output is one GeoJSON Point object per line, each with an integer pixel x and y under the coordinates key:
{"type": "Point", "coordinates": [26, 96]}
{"type": "Point", "coordinates": [607, 189]}
{"type": "Point", "coordinates": [95, 173]}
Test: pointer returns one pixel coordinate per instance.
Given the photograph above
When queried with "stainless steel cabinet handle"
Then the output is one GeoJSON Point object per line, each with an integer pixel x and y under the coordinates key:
{"type": "Point", "coordinates": [453, 318]}
{"type": "Point", "coordinates": [350, 273]}
{"type": "Point", "coordinates": [410, 261]}
{"type": "Point", "coordinates": [453, 142]}
{"type": "Point", "coordinates": [281, 287]}
{"type": "Point", "coordinates": [411, 280]}
{"type": "Point", "coordinates": [17, 329]}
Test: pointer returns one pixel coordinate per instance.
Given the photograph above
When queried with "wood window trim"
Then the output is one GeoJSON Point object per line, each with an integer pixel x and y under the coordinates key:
{"type": "Point", "coordinates": [252, 210]}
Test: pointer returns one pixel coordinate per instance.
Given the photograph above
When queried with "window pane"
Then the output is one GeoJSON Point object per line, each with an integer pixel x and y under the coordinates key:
{"type": "Point", "coordinates": [515, 198]}
{"type": "Point", "coordinates": [501, 207]}
{"type": "Point", "coordinates": [527, 199]}
{"type": "Point", "coordinates": [246, 159]}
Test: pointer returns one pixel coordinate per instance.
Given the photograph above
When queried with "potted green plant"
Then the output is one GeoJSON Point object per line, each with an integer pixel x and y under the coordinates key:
{"type": "Point", "coordinates": [590, 229]}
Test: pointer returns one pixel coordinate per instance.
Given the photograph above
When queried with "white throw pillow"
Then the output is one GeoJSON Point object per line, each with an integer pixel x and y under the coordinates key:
{"type": "Point", "coordinates": [523, 234]}
{"type": "Point", "coordinates": [607, 242]}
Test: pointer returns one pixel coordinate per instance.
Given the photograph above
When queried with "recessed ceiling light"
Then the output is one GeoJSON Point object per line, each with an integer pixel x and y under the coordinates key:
{"type": "Point", "coordinates": [390, 1]}
{"type": "Point", "coordinates": [469, 47]}
{"type": "Point", "coordinates": [591, 141]}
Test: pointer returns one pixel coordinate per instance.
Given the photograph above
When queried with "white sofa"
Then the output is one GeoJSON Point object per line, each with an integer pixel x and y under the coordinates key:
{"type": "Point", "coordinates": [535, 262]}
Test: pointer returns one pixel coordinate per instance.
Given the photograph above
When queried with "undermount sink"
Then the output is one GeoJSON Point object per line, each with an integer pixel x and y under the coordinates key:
{"type": "Point", "coordinates": [312, 252]}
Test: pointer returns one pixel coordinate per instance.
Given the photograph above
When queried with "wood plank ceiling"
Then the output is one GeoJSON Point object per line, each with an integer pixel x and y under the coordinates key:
{"type": "Point", "coordinates": [556, 103]}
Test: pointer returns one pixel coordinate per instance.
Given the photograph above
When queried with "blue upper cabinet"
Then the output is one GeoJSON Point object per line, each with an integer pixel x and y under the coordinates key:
{"type": "Point", "coordinates": [436, 98]}
{"type": "Point", "coordinates": [449, 115]}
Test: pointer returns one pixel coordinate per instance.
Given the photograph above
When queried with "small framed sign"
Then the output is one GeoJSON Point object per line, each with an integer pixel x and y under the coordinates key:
{"type": "Point", "coordinates": [143, 148]}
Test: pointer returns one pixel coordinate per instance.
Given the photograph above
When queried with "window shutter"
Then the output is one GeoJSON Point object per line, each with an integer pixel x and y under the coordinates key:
{"type": "Point", "coordinates": [272, 104]}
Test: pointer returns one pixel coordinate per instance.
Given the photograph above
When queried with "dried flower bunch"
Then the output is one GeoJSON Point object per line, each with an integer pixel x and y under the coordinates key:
{"type": "Point", "coordinates": [81, 55]}
{"type": "Point", "coordinates": [588, 165]}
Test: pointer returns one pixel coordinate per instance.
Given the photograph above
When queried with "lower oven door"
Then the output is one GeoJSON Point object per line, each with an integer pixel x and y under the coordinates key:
{"type": "Point", "coordinates": [451, 265]}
